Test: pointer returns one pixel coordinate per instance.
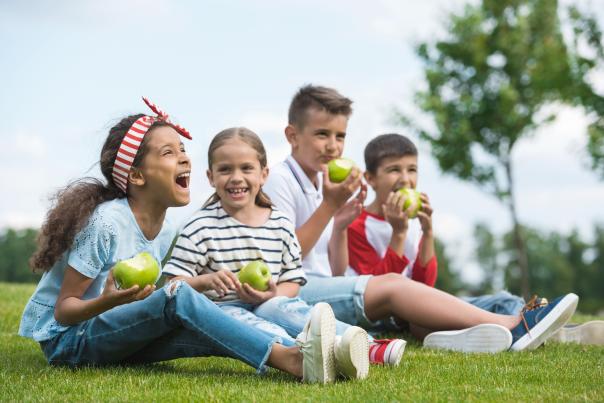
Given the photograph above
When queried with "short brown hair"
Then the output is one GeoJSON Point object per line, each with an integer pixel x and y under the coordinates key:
{"type": "Point", "coordinates": [386, 146]}
{"type": "Point", "coordinates": [321, 98]}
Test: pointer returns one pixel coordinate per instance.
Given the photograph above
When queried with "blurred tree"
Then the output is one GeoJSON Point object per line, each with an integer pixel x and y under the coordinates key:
{"type": "Point", "coordinates": [487, 254]}
{"type": "Point", "coordinates": [487, 85]}
{"type": "Point", "coordinates": [16, 247]}
{"type": "Point", "coordinates": [448, 277]}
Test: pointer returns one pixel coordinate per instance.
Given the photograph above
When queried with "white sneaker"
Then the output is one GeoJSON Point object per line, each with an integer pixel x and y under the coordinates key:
{"type": "Point", "coordinates": [352, 353]}
{"type": "Point", "coordinates": [316, 343]}
{"type": "Point", "coordinates": [485, 338]}
{"type": "Point", "coordinates": [586, 333]}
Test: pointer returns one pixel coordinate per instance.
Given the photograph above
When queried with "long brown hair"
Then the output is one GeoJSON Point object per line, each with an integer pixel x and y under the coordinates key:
{"type": "Point", "coordinates": [72, 205]}
{"type": "Point", "coordinates": [251, 139]}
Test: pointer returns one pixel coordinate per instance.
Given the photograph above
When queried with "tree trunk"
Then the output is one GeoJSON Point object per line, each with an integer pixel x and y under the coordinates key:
{"type": "Point", "coordinates": [525, 286]}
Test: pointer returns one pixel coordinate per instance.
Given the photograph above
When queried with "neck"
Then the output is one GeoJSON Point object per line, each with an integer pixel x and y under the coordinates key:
{"type": "Point", "coordinates": [149, 216]}
{"type": "Point", "coordinates": [375, 208]}
{"type": "Point", "coordinates": [249, 215]}
{"type": "Point", "coordinates": [312, 175]}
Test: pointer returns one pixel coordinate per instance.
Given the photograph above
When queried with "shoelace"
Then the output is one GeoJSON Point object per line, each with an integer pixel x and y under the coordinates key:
{"type": "Point", "coordinates": [534, 303]}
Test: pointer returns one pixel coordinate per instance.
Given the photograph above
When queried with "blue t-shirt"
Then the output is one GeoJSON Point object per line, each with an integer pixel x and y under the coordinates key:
{"type": "Point", "coordinates": [112, 234]}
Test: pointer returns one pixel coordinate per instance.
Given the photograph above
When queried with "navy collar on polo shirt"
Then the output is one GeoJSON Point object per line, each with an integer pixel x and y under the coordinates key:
{"type": "Point", "coordinates": [303, 180]}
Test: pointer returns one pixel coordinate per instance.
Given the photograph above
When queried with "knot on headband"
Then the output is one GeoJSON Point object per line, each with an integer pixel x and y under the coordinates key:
{"type": "Point", "coordinates": [133, 139]}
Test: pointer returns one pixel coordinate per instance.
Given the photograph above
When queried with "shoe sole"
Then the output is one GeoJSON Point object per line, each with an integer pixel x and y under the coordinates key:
{"type": "Point", "coordinates": [394, 352]}
{"type": "Point", "coordinates": [554, 320]}
{"type": "Point", "coordinates": [586, 333]}
{"type": "Point", "coordinates": [485, 338]}
{"type": "Point", "coordinates": [352, 354]}
{"type": "Point", "coordinates": [323, 324]}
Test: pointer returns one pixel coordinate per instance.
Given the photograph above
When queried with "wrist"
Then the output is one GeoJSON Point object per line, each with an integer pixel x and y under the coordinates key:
{"type": "Point", "coordinates": [329, 207]}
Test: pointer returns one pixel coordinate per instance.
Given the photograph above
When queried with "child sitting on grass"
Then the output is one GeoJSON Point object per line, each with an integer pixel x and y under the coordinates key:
{"type": "Point", "coordinates": [322, 211]}
{"type": "Point", "coordinates": [238, 225]}
{"type": "Point", "coordinates": [78, 315]}
{"type": "Point", "coordinates": [386, 238]}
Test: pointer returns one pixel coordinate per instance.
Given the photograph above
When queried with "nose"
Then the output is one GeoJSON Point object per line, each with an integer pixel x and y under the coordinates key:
{"type": "Point", "coordinates": [331, 144]}
{"type": "Point", "coordinates": [184, 158]}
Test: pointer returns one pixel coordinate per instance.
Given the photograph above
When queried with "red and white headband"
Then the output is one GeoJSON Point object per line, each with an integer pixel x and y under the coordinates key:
{"type": "Point", "coordinates": [132, 141]}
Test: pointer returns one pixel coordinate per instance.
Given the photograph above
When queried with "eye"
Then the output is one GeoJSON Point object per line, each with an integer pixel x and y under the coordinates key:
{"type": "Point", "coordinates": [341, 136]}
{"type": "Point", "coordinates": [166, 152]}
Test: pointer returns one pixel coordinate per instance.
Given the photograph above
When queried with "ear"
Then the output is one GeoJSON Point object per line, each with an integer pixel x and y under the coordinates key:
{"type": "Point", "coordinates": [210, 177]}
{"type": "Point", "coordinates": [291, 135]}
{"type": "Point", "coordinates": [136, 177]}
{"type": "Point", "coordinates": [370, 179]}
{"type": "Point", "coordinates": [263, 176]}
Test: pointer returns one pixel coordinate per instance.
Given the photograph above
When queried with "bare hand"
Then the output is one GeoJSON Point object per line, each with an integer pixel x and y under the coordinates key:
{"type": "Point", "coordinates": [117, 297]}
{"type": "Point", "coordinates": [250, 295]}
{"type": "Point", "coordinates": [394, 214]}
{"type": "Point", "coordinates": [337, 194]}
{"type": "Point", "coordinates": [425, 215]}
{"type": "Point", "coordinates": [351, 210]}
{"type": "Point", "coordinates": [222, 282]}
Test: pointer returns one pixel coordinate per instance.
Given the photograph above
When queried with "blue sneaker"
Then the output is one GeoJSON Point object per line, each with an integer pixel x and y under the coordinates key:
{"type": "Point", "coordinates": [540, 319]}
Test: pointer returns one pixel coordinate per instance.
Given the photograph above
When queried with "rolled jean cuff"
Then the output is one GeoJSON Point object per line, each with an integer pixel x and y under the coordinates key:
{"type": "Point", "coordinates": [263, 367]}
{"type": "Point", "coordinates": [359, 303]}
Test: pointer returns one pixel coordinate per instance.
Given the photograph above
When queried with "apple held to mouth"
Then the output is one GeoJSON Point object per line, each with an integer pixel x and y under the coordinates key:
{"type": "Point", "coordinates": [256, 274]}
{"type": "Point", "coordinates": [339, 169]}
{"type": "Point", "coordinates": [412, 199]}
{"type": "Point", "coordinates": [140, 270]}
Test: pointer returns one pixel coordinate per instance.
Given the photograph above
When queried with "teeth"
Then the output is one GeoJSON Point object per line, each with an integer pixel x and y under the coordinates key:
{"type": "Point", "coordinates": [184, 175]}
{"type": "Point", "coordinates": [237, 191]}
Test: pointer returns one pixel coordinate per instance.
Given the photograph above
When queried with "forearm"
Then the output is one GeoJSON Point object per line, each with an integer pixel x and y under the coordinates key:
{"type": "Point", "coordinates": [397, 243]}
{"type": "Point", "coordinates": [309, 233]}
{"type": "Point", "coordinates": [288, 289]}
{"type": "Point", "coordinates": [338, 252]}
{"type": "Point", "coordinates": [198, 283]}
{"type": "Point", "coordinates": [426, 252]}
{"type": "Point", "coordinates": [72, 310]}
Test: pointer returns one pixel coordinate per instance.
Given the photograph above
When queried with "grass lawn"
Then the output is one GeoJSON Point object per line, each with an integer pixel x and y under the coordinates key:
{"type": "Point", "coordinates": [556, 372]}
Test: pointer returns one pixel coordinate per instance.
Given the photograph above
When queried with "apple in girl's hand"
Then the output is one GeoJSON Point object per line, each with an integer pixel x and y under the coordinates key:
{"type": "Point", "coordinates": [256, 274]}
{"type": "Point", "coordinates": [412, 199]}
{"type": "Point", "coordinates": [339, 169]}
{"type": "Point", "coordinates": [140, 270]}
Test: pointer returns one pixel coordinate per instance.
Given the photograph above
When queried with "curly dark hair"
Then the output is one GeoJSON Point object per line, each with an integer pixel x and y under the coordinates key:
{"type": "Point", "coordinates": [72, 205]}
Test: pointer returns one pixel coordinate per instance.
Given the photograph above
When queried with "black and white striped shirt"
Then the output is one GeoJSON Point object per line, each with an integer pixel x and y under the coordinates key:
{"type": "Point", "coordinates": [212, 240]}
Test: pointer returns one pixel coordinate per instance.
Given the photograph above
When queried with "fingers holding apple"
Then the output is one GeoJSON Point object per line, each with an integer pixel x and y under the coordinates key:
{"type": "Point", "coordinates": [253, 296]}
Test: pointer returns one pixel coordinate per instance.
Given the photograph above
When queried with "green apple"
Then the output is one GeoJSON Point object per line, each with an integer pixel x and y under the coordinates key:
{"type": "Point", "coordinates": [339, 169]}
{"type": "Point", "coordinates": [412, 199]}
{"type": "Point", "coordinates": [140, 270]}
{"type": "Point", "coordinates": [256, 274]}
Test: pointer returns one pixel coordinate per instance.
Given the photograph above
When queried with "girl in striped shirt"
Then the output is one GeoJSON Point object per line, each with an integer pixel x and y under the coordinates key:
{"type": "Point", "coordinates": [238, 225]}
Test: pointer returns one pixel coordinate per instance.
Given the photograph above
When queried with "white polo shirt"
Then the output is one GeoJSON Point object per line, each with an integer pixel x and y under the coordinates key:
{"type": "Point", "coordinates": [294, 195]}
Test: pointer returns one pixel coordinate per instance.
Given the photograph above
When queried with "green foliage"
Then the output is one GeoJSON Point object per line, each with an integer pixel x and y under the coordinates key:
{"type": "Point", "coordinates": [556, 372]}
{"type": "Point", "coordinates": [448, 276]}
{"type": "Point", "coordinates": [559, 264]}
{"type": "Point", "coordinates": [502, 61]}
{"type": "Point", "coordinates": [16, 247]}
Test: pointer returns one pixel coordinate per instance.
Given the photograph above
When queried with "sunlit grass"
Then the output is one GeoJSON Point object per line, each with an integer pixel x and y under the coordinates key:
{"type": "Point", "coordinates": [556, 372]}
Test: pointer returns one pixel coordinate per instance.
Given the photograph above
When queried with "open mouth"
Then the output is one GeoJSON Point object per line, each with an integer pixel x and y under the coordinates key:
{"type": "Point", "coordinates": [182, 180]}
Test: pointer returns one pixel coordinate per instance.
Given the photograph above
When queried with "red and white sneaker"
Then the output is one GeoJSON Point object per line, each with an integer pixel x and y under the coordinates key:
{"type": "Point", "coordinates": [386, 351]}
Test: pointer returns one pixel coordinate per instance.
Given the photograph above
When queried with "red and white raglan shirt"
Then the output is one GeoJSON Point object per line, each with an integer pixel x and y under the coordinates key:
{"type": "Point", "coordinates": [369, 251]}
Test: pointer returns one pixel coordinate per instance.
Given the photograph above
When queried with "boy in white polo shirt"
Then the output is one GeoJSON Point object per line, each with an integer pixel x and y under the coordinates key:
{"type": "Point", "coordinates": [321, 212]}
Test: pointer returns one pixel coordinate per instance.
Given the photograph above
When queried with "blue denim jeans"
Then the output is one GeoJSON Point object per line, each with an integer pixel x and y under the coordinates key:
{"type": "Point", "coordinates": [346, 295]}
{"type": "Point", "coordinates": [173, 322]}
{"type": "Point", "coordinates": [502, 302]}
{"type": "Point", "coordinates": [279, 316]}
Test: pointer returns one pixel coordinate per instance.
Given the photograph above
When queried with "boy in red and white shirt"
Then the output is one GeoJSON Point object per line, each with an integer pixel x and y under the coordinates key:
{"type": "Point", "coordinates": [384, 239]}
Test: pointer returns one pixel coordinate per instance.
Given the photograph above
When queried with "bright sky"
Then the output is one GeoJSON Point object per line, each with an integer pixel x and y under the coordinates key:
{"type": "Point", "coordinates": [70, 69]}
